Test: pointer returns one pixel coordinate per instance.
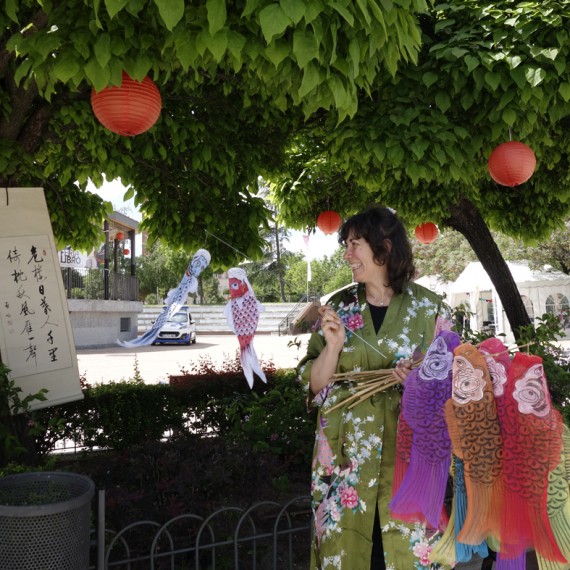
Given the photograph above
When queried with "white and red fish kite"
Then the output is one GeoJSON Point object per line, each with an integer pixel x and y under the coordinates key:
{"type": "Point", "coordinates": [175, 298]}
{"type": "Point", "coordinates": [242, 314]}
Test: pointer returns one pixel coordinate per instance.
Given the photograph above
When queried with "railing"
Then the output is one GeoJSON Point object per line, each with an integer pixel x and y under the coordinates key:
{"type": "Point", "coordinates": [263, 536]}
{"type": "Point", "coordinates": [99, 284]}
{"type": "Point", "coordinates": [290, 316]}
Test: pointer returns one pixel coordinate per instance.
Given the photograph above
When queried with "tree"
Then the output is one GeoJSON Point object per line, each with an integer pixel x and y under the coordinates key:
{"type": "Point", "coordinates": [236, 78]}
{"type": "Point", "coordinates": [420, 140]}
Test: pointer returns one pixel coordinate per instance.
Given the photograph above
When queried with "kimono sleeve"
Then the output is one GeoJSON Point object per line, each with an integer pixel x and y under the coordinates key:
{"type": "Point", "coordinates": [315, 347]}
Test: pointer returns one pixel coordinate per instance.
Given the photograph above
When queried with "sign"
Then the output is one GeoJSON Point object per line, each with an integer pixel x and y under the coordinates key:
{"type": "Point", "coordinates": [36, 339]}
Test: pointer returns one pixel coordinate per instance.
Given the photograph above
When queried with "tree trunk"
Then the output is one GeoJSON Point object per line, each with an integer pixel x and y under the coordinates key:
{"type": "Point", "coordinates": [465, 218]}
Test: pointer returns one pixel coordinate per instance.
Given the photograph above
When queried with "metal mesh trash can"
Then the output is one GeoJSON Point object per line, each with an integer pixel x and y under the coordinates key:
{"type": "Point", "coordinates": [44, 521]}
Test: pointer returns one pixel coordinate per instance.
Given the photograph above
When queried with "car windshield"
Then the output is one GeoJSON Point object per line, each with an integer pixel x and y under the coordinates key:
{"type": "Point", "coordinates": [179, 318]}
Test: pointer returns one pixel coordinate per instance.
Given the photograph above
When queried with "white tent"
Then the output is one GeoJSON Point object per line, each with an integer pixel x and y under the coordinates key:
{"type": "Point", "coordinates": [546, 291]}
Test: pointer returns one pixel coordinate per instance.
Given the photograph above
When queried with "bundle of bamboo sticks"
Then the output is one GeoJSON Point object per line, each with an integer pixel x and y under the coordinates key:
{"type": "Point", "coordinates": [366, 384]}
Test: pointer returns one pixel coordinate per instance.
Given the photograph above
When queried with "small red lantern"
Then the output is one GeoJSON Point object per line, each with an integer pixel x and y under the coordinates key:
{"type": "Point", "coordinates": [329, 221]}
{"type": "Point", "coordinates": [426, 233]}
{"type": "Point", "coordinates": [512, 163]}
{"type": "Point", "coordinates": [130, 109]}
{"type": "Point", "coordinates": [126, 251]}
{"type": "Point", "coordinates": [120, 236]}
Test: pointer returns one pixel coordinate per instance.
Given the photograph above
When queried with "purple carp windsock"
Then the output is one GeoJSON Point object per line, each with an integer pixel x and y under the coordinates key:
{"type": "Point", "coordinates": [475, 434]}
{"type": "Point", "coordinates": [532, 435]}
{"type": "Point", "coordinates": [175, 298]}
{"type": "Point", "coordinates": [426, 389]}
{"type": "Point", "coordinates": [242, 314]}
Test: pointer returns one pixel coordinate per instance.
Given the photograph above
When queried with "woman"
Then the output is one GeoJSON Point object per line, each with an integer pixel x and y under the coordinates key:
{"type": "Point", "coordinates": [383, 321]}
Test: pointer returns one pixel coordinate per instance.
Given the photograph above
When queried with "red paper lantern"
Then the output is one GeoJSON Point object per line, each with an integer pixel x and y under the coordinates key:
{"type": "Point", "coordinates": [120, 236]}
{"type": "Point", "coordinates": [512, 163]}
{"type": "Point", "coordinates": [130, 109]}
{"type": "Point", "coordinates": [426, 233]}
{"type": "Point", "coordinates": [126, 251]}
{"type": "Point", "coordinates": [329, 221]}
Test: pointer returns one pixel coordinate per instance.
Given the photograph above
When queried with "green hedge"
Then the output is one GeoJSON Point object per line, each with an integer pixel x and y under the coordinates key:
{"type": "Point", "coordinates": [272, 416]}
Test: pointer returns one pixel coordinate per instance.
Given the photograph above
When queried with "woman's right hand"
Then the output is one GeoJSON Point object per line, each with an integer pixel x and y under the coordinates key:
{"type": "Point", "coordinates": [324, 366]}
{"type": "Point", "coordinates": [332, 327]}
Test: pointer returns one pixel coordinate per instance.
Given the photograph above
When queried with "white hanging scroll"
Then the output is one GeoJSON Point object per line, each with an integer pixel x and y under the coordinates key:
{"type": "Point", "coordinates": [36, 339]}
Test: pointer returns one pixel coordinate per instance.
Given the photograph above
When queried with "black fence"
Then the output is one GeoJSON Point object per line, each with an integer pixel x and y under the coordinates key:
{"type": "Point", "coordinates": [99, 284]}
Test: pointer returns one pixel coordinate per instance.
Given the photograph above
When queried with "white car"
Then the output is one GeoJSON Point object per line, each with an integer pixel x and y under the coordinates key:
{"type": "Point", "coordinates": [179, 329]}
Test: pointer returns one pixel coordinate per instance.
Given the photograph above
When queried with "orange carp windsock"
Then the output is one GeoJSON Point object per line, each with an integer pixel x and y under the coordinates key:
{"type": "Point", "coordinates": [475, 434]}
{"type": "Point", "coordinates": [242, 314]}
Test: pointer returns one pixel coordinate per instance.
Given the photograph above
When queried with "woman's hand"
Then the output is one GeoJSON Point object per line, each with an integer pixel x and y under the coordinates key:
{"type": "Point", "coordinates": [403, 368]}
{"type": "Point", "coordinates": [332, 327]}
{"type": "Point", "coordinates": [324, 366]}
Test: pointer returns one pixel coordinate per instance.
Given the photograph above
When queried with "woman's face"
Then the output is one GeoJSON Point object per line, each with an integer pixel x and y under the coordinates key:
{"type": "Point", "coordinates": [358, 254]}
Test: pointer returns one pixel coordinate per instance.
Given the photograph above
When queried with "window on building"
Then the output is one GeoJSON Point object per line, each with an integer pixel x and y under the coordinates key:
{"type": "Point", "coordinates": [550, 305]}
{"type": "Point", "coordinates": [125, 324]}
{"type": "Point", "coordinates": [563, 304]}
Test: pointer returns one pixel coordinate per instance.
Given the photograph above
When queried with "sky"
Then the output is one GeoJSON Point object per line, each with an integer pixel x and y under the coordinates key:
{"type": "Point", "coordinates": [320, 245]}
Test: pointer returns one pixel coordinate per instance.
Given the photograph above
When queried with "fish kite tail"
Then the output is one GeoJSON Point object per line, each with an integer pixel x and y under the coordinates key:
{"type": "Point", "coordinates": [250, 364]}
{"type": "Point", "coordinates": [517, 563]}
{"type": "Point", "coordinates": [463, 552]}
{"type": "Point", "coordinates": [422, 490]}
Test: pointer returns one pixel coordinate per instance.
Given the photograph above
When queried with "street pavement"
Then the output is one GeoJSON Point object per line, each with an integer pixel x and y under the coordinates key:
{"type": "Point", "coordinates": [157, 363]}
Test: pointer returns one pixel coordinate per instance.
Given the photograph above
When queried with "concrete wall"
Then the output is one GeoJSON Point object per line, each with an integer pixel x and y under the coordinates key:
{"type": "Point", "coordinates": [97, 323]}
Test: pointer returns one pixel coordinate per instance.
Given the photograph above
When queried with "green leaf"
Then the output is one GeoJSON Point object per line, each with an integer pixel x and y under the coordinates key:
{"type": "Point", "coordinates": [344, 13]}
{"type": "Point", "coordinates": [535, 75]}
{"type": "Point", "coordinates": [519, 77]}
{"type": "Point", "coordinates": [273, 21]}
{"type": "Point", "coordinates": [429, 78]}
{"type": "Point", "coordinates": [186, 50]}
{"type": "Point", "coordinates": [295, 9]}
{"type": "Point", "coordinates": [102, 49]}
{"type": "Point", "coordinates": [443, 101]}
{"type": "Point", "coordinates": [99, 77]}
{"type": "Point", "coordinates": [217, 15]}
{"type": "Point", "coordinates": [218, 45]}
{"type": "Point", "coordinates": [564, 91]}
{"type": "Point", "coordinates": [311, 78]}
{"type": "Point", "coordinates": [171, 12]}
{"type": "Point", "coordinates": [509, 116]}
{"type": "Point", "coordinates": [65, 68]}
{"type": "Point", "coordinates": [305, 47]}
{"type": "Point", "coordinates": [115, 6]}
{"type": "Point", "coordinates": [493, 79]}
{"type": "Point", "coordinates": [11, 10]}
{"type": "Point", "coordinates": [278, 51]}
{"type": "Point", "coordinates": [472, 62]}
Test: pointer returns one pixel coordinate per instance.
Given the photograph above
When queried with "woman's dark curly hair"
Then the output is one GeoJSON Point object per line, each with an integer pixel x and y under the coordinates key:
{"type": "Point", "coordinates": [387, 237]}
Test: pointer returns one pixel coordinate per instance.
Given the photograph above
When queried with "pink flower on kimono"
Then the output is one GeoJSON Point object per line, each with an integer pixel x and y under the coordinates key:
{"type": "Point", "coordinates": [422, 550]}
{"type": "Point", "coordinates": [355, 322]}
{"type": "Point", "coordinates": [348, 497]}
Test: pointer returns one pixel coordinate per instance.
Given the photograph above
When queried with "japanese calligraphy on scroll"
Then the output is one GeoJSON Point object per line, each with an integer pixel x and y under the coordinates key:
{"type": "Point", "coordinates": [36, 340]}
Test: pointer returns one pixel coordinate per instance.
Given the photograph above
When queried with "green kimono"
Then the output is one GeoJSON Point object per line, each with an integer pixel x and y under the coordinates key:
{"type": "Point", "coordinates": [354, 456]}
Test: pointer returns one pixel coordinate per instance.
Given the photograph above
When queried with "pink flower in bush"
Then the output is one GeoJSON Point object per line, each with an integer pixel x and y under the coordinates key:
{"type": "Point", "coordinates": [348, 497]}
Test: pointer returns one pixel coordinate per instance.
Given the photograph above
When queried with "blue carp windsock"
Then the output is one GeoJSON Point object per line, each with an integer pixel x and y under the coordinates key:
{"type": "Point", "coordinates": [533, 449]}
{"type": "Point", "coordinates": [242, 314]}
{"type": "Point", "coordinates": [475, 434]}
{"type": "Point", "coordinates": [427, 388]}
{"type": "Point", "coordinates": [175, 298]}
